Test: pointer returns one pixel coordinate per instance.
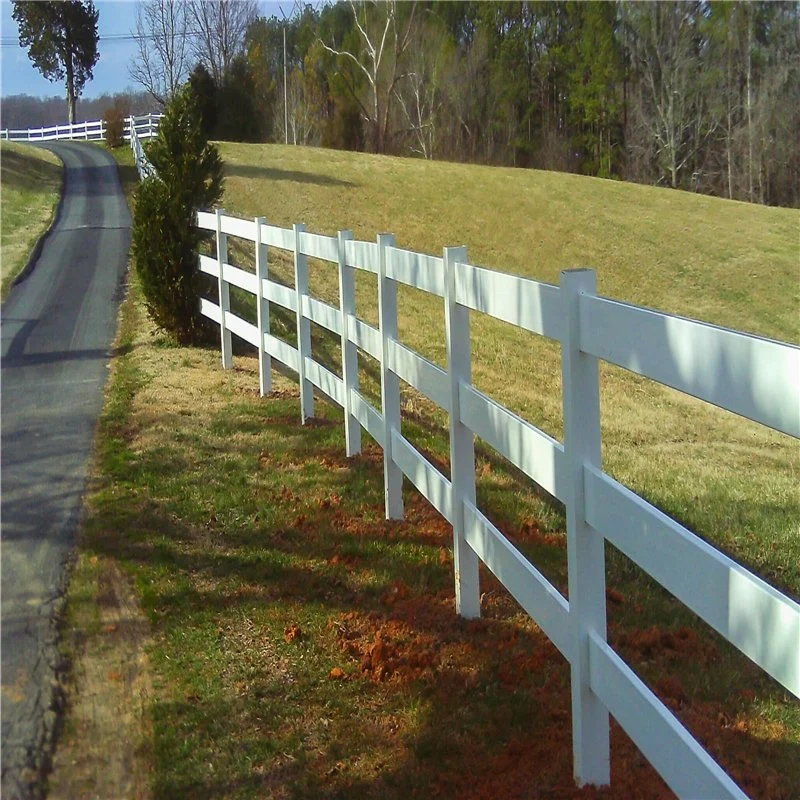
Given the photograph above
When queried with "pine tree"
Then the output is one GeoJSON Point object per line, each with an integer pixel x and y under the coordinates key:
{"type": "Point", "coordinates": [595, 76]}
{"type": "Point", "coordinates": [62, 42]}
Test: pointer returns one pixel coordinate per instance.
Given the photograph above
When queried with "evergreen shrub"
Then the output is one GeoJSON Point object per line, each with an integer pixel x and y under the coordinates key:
{"type": "Point", "coordinates": [189, 176]}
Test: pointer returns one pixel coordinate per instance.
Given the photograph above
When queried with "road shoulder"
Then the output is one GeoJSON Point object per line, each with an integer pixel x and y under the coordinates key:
{"type": "Point", "coordinates": [108, 691]}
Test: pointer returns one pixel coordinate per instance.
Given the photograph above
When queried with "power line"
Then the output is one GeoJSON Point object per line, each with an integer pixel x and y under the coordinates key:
{"type": "Point", "coordinates": [13, 41]}
{"type": "Point", "coordinates": [8, 41]}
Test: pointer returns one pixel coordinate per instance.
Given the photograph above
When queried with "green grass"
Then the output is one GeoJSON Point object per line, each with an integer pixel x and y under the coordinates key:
{"type": "Point", "coordinates": [30, 183]}
{"type": "Point", "coordinates": [730, 263]}
{"type": "Point", "coordinates": [238, 524]}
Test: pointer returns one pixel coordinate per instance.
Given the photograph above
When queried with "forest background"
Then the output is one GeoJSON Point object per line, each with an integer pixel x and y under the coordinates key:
{"type": "Point", "coordinates": [702, 96]}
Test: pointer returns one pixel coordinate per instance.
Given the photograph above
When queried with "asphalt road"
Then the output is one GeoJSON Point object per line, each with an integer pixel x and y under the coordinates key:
{"type": "Point", "coordinates": [58, 326]}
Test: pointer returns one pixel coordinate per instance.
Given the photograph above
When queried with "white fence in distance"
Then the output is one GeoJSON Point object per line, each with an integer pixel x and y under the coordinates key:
{"type": "Point", "coordinates": [144, 127]}
{"type": "Point", "coordinates": [754, 377]}
{"type": "Point", "coordinates": [143, 165]}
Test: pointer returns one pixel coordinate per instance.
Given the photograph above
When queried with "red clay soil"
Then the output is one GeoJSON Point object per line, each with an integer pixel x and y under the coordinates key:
{"type": "Point", "coordinates": [420, 638]}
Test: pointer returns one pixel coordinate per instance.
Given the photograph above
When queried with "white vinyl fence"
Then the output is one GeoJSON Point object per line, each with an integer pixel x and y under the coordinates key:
{"type": "Point", "coordinates": [144, 127]}
{"type": "Point", "coordinates": [756, 378]}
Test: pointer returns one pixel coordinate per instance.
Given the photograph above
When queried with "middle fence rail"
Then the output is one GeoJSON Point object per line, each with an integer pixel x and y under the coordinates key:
{"type": "Point", "coordinates": [754, 377]}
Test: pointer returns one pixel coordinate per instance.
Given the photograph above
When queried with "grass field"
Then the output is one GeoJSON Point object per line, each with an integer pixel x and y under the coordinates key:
{"type": "Point", "coordinates": [729, 263]}
{"type": "Point", "coordinates": [30, 182]}
{"type": "Point", "coordinates": [302, 646]}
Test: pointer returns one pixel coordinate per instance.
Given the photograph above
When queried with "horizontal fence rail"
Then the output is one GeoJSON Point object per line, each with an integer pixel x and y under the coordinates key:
{"type": "Point", "coordinates": [145, 127]}
{"type": "Point", "coordinates": [750, 376]}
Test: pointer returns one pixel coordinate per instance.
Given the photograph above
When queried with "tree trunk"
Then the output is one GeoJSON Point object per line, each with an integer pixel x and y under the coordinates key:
{"type": "Point", "coordinates": [71, 104]}
{"type": "Point", "coordinates": [729, 88]}
{"type": "Point", "coordinates": [70, 80]}
{"type": "Point", "coordinates": [377, 112]}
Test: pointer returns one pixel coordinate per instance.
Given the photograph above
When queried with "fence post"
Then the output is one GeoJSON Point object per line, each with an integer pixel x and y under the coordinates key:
{"type": "Point", "coordinates": [347, 307]}
{"type": "Point", "coordinates": [262, 311]}
{"type": "Point", "coordinates": [462, 440]}
{"type": "Point", "coordinates": [149, 126]}
{"type": "Point", "coordinates": [303, 327]}
{"type": "Point", "coordinates": [390, 383]}
{"type": "Point", "coordinates": [224, 293]}
{"type": "Point", "coordinates": [585, 547]}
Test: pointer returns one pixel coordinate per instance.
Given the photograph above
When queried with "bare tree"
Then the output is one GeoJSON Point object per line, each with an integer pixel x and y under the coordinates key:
{"type": "Point", "coordinates": [219, 31]}
{"type": "Point", "coordinates": [162, 62]}
{"type": "Point", "coordinates": [421, 96]}
{"type": "Point", "coordinates": [378, 59]}
{"type": "Point", "coordinates": [663, 52]}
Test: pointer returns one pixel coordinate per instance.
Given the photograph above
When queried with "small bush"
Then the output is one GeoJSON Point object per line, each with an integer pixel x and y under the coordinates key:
{"type": "Point", "coordinates": [114, 119]}
{"type": "Point", "coordinates": [165, 238]}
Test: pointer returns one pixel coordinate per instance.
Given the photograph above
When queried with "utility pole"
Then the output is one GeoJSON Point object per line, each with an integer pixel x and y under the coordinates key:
{"type": "Point", "coordinates": [285, 93]}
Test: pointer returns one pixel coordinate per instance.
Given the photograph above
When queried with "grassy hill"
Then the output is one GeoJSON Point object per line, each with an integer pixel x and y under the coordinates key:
{"type": "Point", "coordinates": [729, 263]}
{"type": "Point", "coordinates": [31, 180]}
{"type": "Point", "coordinates": [304, 647]}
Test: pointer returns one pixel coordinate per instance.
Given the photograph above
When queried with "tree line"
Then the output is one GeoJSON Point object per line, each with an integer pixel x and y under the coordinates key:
{"type": "Point", "coordinates": [703, 96]}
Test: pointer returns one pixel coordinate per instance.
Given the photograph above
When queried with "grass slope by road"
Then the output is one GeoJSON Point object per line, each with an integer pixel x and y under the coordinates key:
{"type": "Point", "coordinates": [304, 647]}
{"type": "Point", "coordinates": [30, 182]}
{"type": "Point", "coordinates": [730, 263]}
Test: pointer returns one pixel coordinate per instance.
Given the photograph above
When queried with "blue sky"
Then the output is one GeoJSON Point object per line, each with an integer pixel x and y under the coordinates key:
{"type": "Point", "coordinates": [19, 76]}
